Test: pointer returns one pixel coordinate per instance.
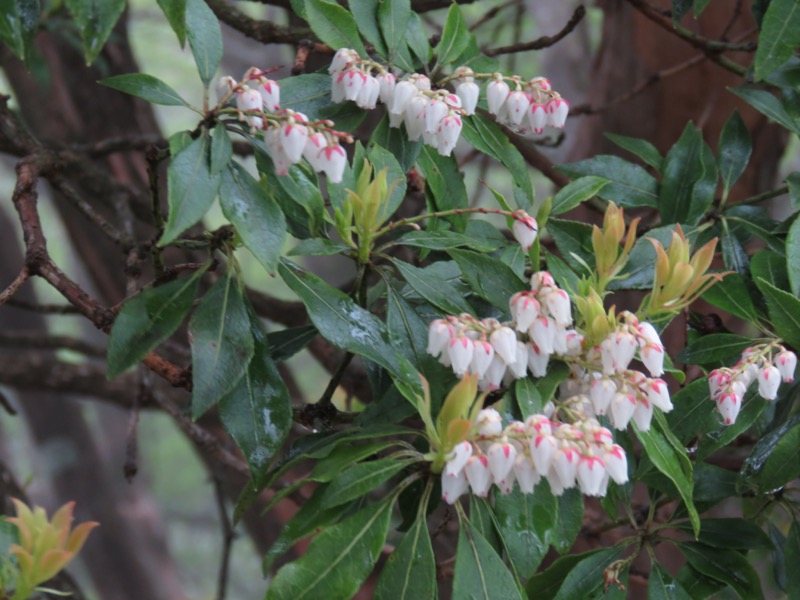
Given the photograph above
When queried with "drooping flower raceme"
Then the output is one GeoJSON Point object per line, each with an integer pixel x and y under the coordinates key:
{"type": "Point", "coordinates": [767, 364]}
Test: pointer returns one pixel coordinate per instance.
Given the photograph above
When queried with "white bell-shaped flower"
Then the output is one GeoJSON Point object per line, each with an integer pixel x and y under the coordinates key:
{"type": "Point", "coordinates": [769, 380]}
{"type": "Point", "coordinates": [341, 59]}
{"type": "Point", "coordinates": [543, 449]}
{"type": "Point", "coordinates": [591, 471]}
{"type": "Point", "coordinates": [478, 475]}
{"type": "Point", "coordinates": [460, 351]}
{"type": "Point", "coordinates": [525, 309]}
{"type": "Point", "coordinates": [525, 473]}
{"type": "Point", "coordinates": [501, 457]}
{"type": "Point", "coordinates": [565, 463]}
{"type": "Point", "coordinates": [643, 415]}
{"type": "Point", "coordinates": [494, 374]}
{"type": "Point", "coordinates": [538, 361]}
{"type": "Point", "coordinates": [658, 395]}
{"type": "Point", "coordinates": [293, 138]}
{"type": "Point", "coordinates": [537, 117]}
{"type": "Point", "coordinates": [416, 117]}
{"type": "Point", "coordinates": [718, 381]}
{"type": "Point", "coordinates": [270, 95]}
{"type": "Point", "coordinates": [559, 307]}
{"type": "Point", "coordinates": [448, 133]}
{"type": "Point", "coordinates": [404, 91]}
{"type": "Point", "coordinates": [786, 363]}
{"type": "Point", "coordinates": [525, 230]}
{"type": "Point", "coordinates": [454, 486]}
{"type": "Point", "coordinates": [224, 86]}
{"type": "Point", "coordinates": [367, 96]}
{"type": "Point", "coordinates": [504, 341]}
{"type": "Point", "coordinates": [352, 80]}
{"type": "Point", "coordinates": [436, 111]}
{"type": "Point", "coordinates": [457, 459]}
{"type": "Point", "coordinates": [439, 334]}
{"type": "Point", "coordinates": [517, 105]}
{"type": "Point", "coordinates": [602, 392]}
{"type": "Point", "coordinates": [332, 161]}
{"type": "Point", "coordinates": [482, 357]}
{"type": "Point", "coordinates": [311, 152]}
{"type": "Point", "coordinates": [519, 368]}
{"type": "Point", "coordinates": [496, 94]}
{"type": "Point", "coordinates": [622, 408]}
{"type": "Point", "coordinates": [489, 423]}
{"type": "Point", "coordinates": [557, 111]}
{"type": "Point", "coordinates": [616, 463]}
{"type": "Point", "coordinates": [386, 85]}
{"type": "Point", "coordinates": [542, 333]}
{"type": "Point", "coordinates": [469, 93]}
{"type": "Point", "coordinates": [728, 405]}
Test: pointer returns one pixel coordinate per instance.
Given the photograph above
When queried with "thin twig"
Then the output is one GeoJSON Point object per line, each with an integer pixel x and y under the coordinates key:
{"type": "Point", "coordinates": [545, 41]}
{"type": "Point", "coordinates": [23, 276]}
{"type": "Point", "coordinates": [53, 309]}
{"type": "Point", "coordinates": [152, 156]}
{"type": "Point", "coordinates": [37, 340]}
{"type": "Point", "coordinates": [228, 535]}
{"type": "Point", "coordinates": [492, 13]}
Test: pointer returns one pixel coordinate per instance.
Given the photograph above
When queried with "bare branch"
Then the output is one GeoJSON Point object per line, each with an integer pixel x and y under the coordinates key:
{"type": "Point", "coordinates": [12, 288]}
{"type": "Point", "coordinates": [544, 41]}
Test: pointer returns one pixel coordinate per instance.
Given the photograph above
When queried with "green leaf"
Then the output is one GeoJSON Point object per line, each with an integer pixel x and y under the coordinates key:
{"type": "Point", "coordinates": [488, 277]}
{"type": "Point", "coordinates": [726, 566]}
{"type": "Point", "coordinates": [784, 312]}
{"type": "Point", "coordinates": [569, 521]}
{"type": "Point", "coordinates": [575, 192]}
{"type": "Point", "coordinates": [697, 585]}
{"type": "Point", "coordinates": [630, 186]}
{"type": "Point", "coordinates": [221, 149]}
{"type": "Point", "coordinates": [661, 586]}
{"type": "Point", "coordinates": [148, 319]}
{"type": "Point", "coordinates": [286, 343]}
{"type": "Point", "coordinates": [407, 328]}
{"type": "Point", "coordinates": [257, 413]}
{"type": "Point", "coordinates": [749, 476]}
{"type": "Point", "coordinates": [792, 558]}
{"type": "Point", "coordinates": [175, 11]}
{"type": "Point", "coordinates": [146, 87]}
{"type": "Point", "coordinates": [395, 175]}
{"type": "Point", "coordinates": [639, 273]}
{"type": "Point", "coordinates": [345, 324]}
{"type": "Point", "coordinates": [445, 182]}
{"type": "Point", "coordinates": [19, 25]}
{"type": "Point", "coordinates": [410, 571]}
{"type": "Point", "coordinates": [557, 372]}
{"type": "Point", "coordinates": [310, 94]}
{"type": "Point", "coordinates": [734, 149]}
{"type": "Point", "coordinates": [303, 523]}
{"type": "Point", "coordinates": [779, 36]}
{"type": "Point", "coordinates": [428, 285]}
{"type": "Point", "coordinates": [417, 39]}
{"type": "Point", "coordinates": [738, 534]}
{"type": "Point", "coordinates": [771, 267]}
{"type": "Point", "coordinates": [767, 104]}
{"type": "Point", "coordinates": [793, 257]}
{"type": "Point", "coordinates": [587, 575]}
{"type": "Point", "coordinates": [441, 240]}
{"type": "Point", "coordinates": [479, 571]}
{"type": "Point", "coordinates": [334, 25]}
{"type": "Point", "coordinates": [396, 141]}
{"type": "Point", "coordinates": [360, 480]}
{"type": "Point", "coordinates": [487, 136]}
{"type": "Point", "coordinates": [752, 407]}
{"type": "Point", "coordinates": [318, 247]}
{"type": "Point", "coordinates": [680, 8]}
{"type": "Point", "coordinates": [733, 253]}
{"type": "Point", "coordinates": [338, 560]}
{"type": "Point", "coordinates": [528, 397]}
{"type": "Point", "coordinates": [697, 413]}
{"type": "Point", "coordinates": [733, 295]}
{"type": "Point", "coordinates": [544, 585]}
{"type": "Point", "coordinates": [574, 241]}
{"type": "Point", "coordinates": [222, 343]}
{"type": "Point", "coordinates": [698, 6]}
{"type": "Point", "coordinates": [525, 521]}
{"type": "Point", "coordinates": [714, 348]}
{"type": "Point", "coordinates": [641, 148]}
{"type": "Point", "coordinates": [205, 38]}
{"type": "Point", "coordinates": [672, 463]}
{"type": "Point", "coordinates": [191, 189]}
{"type": "Point", "coordinates": [393, 18]}
{"type": "Point", "coordinates": [255, 215]}
{"type": "Point", "coordinates": [783, 464]}
{"type": "Point", "coordinates": [455, 37]}
{"type": "Point", "coordinates": [95, 20]}
{"type": "Point", "coordinates": [365, 14]}
{"type": "Point", "coordinates": [481, 515]}
{"type": "Point", "coordinates": [683, 168]}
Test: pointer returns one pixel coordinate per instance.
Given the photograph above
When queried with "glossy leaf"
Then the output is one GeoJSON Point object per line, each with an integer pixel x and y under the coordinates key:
{"type": "Point", "coordinates": [734, 255]}
{"type": "Point", "coordinates": [148, 319]}
{"type": "Point", "coordinates": [574, 241]}
{"type": "Point", "coordinates": [767, 104]}
{"type": "Point", "coordinates": [360, 480]}
{"type": "Point", "coordinates": [783, 464]}
{"type": "Point", "coordinates": [441, 240]}
{"type": "Point", "coordinates": [318, 247]}
{"type": "Point", "coordinates": [769, 266]}
{"type": "Point", "coordinates": [557, 372]}
{"type": "Point", "coordinates": [255, 215]}
{"type": "Point", "coordinates": [479, 571]}
{"type": "Point", "coordinates": [393, 18]}
{"type": "Point", "coordinates": [286, 343]}
{"type": "Point", "coordinates": [641, 148]}
{"type": "Point", "coordinates": [489, 277]}
{"type": "Point", "coordinates": [175, 12]}
{"type": "Point", "coordinates": [334, 25]}
{"type": "Point", "coordinates": [191, 189]}
{"type": "Point", "coordinates": [19, 25]}
{"type": "Point", "coordinates": [545, 585]}
{"type": "Point", "coordinates": [630, 185]}
{"type": "Point", "coordinates": [697, 585]}
{"type": "Point", "coordinates": [683, 168]}
{"type": "Point", "coordinates": [445, 182]}
{"type": "Point", "coordinates": [524, 521]}
{"type": "Point", "coordinates": [661, 586]}
{"type": "Point", "coordinates": [739, 534]}
{"type": "Point", "coordinates": [569, 521]}
{"type": "Point", "coordinates": [575, 192]}
{"type": "Point", "coordinates": [733, 295]}
{"type": "Point", "coordinates": [346, 324]}
{"type": "Point", "coordinates": [734, 149]}
{"type": "Point", "coordinates": [528, 397]}
{"type": "Point", "coordinates": [222, 344]}
{"type": "Point", "coordinates": [784, 312]}
{"type": "Point", "coordinates": [410, 571]}
{"type": "Point", "coordinates": [337, 561]}
{"type": "Point", "coordinates": [726, 566]}
{"type": "Point", "coordinates": [639, 273]}
{"type": "Point", "coordinates": [750, 479]}
{"type": "Point", "coordinates": [146, 87]}
{"type": "Point", "coordinates": [779, 36]}
{"type": "Point", "coordinates": [793, 257]}
{"type": "Point", "coordinates": [455, 36]}
{"type": "Point", "coordinates": [365, 14]}
{"type": "Point", "coordinates": [95, 20]}
{"type": "Point", "coordinates": [396, 141]}
{"type": "Point", "coordinates": [481, 515]}
{"type": "Point", "coordinates": [221, 149]}
{"type": "Point", "coordinates": [714, 348]}
{"type": "Point", "coordinates": [792, 558]}
{"type": "Point", "coordinates": [205, 38]}
{"type": "Point", "coordinates": [587, 575]}
{"type": "Point", "coordinates": [428, 285]}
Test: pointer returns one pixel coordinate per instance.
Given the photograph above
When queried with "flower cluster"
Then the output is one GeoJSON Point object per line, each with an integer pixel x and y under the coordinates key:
{"type": "Point", "coordinates": [768, 364]}
{"type": "Point", "coordinates": [288, 135]}
{"type": "Point", "coordinates": [566, 455]}
{"type": "Point", "coordinates": [435, 115]}
{"type": "Point", "coordinates": [495, 350]}
{"type": "Point", "coordinates": [529, 108]}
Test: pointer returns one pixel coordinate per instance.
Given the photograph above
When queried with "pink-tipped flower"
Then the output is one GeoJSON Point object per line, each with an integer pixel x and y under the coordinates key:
{"type": "Point", "coordinates": [525, 473]}
{"type": "Point", "coordinates": [489, 423]}
{"type": "Point", "coordinates": [496, 94]}
{"type": "Point", "coordinates": [537, 117]}
{"type": "Point", "coordinates": [270, 95]}
{"type": "Point", "coordinates": [482, 357]}
{"type": "Point", "coordinates": [519, 368]}
{"type": "Point", "coordinates": [404, 91]}
{"type": "Point", "coordinates": [602, 392]}
{"type": "Point", "coordinates": [415, 117]}
{"type": "Point", "coordinates": [352, 80]}
{"type": "Point", "coordinates": [557, 111]}
{"type": "Point", "coordinates": [314, 145]}
{"type": "Point", "coordinates": [460, 351]}
{"type": "Point", "coordinates": [478, 475]}
{"type": "Point", "coordinates": [504, 341]}
{"type": "Point", "coordinates": [558, 304]}
{"type": "Point", "coordinates": [728, 406]}
{"type": "Point", "coordinates": [332, 161]}
{"type": "Point", "coordinates": [543, 333]}
{"type": "Point", "coordinates": [421, 82]}
{"type": "Point", "coordinates": [591, 471]}
{"type": "Point", "coordinates": [525, 309]}
{"type": "Point", "coordinates": [622, 408]}
{"type": "Point", "coordinates": [248, 99]}
{"type": "Point", "coordinates": [501, 459]}
{"type": "Point", "coordinates": [464, 74]}
{"type": "Point", "coordinates": [367, 96]}
{"type": "Point", "coordinates": [525, 230]}
{"type": "Point", "coordinates": [541, 279]}
{"type": "Point", "coordinates": [386, 85]}
{"type": "Point", "coordinates": [718, 381]}
{"type": "Point", "coordinates": [437, 110]}
{"type": "Point", "coordinates": [786, 363]}
{"type": "Point", "coordinates": [643, 414]}
{"type": "Point", "coordinates": [658, 395]}
{"type": "Point", "coordinates": [293, 139]}
{"type": "Point", "coordinates": [224, 86]}
{"type": "Point", "coordinates": [493, 376]}
{"type": "Point", "coordinates": [454, 486]}
{"type": "Point", "coordinates": [457, 459]}
{"type": "Point", "coordinates": [543, 449]}
{"type": "Point", "coordinates": [616, 464]}
{"type": "Point", "coordinates": [653, 358]}
{"type": "Point", "coordinates": [468, 92]}
{"type": "Point", "coordinates": [517, 105]}
{"type": "Point", "coordinates": [538, 423]}
{"type": "Point", "coordinates": [538, 361]}
{"type": "Point", "coordinates": [769, 379]}
{"type": "Point", "coordinates": [439, 334]}
{"type": "Point", "coordinates": [341, 59]}
{"type": "Point", "coordinates": [448, 133]}
{"type": "Point", "coordinates": [648, 336]}
{"type": "Point", "coordinates": [565, 463]}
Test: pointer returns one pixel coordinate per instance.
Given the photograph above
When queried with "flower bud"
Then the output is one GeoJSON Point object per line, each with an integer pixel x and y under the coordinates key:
{"type": "Point", "coordinates": [769, 379]}
{"type": "Point", "coordinates": [786, 362]}
{"type": "Point", "coordinates": [454, 486]}
{"type": "Point", "coordinates": [478, 475]}
{"type": "Point", "coordinates": [616, 464]}
{"type": "Point", "coordinates": [525, 229]}
{"type": "Point", "coordinates": [460, 351]}
{"type": "Point", "coordinates": [501, 459]}
{"type": "Point", "coordinates": [525, 473]}
{"type": "Point", "coordinates": [591, 471]}
{"type": "Point", "coordinates": [504, 341]}
{"type": "Point", "coordinates": [496, 94]}
{"type": "Point", "coordinates": [468, 92]}
{"type": "Point", "coordinates": [518, 105]}
{"type": "Point", "coordinates": [458, 458]}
